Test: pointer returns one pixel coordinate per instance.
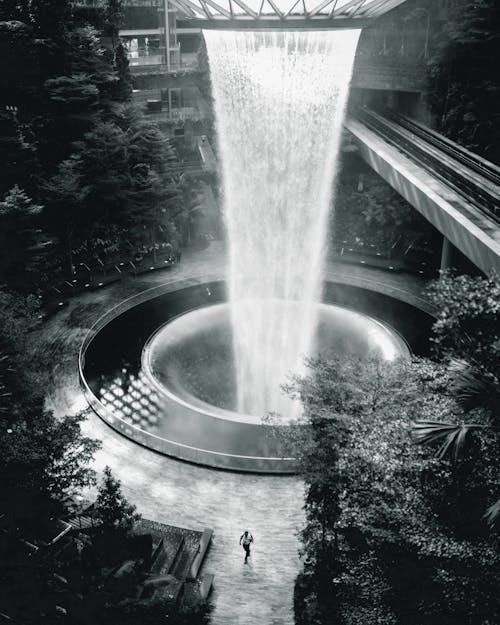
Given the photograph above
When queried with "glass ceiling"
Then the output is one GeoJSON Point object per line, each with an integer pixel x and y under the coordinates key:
{"type": "Point", "coordinates": [282, 10]}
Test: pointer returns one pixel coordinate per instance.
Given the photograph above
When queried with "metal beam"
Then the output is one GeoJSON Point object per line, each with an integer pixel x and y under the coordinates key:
{"type": "Point", "coordinates": [187, 7]}
{"type": "Point", "coordinates": [347, 7]}
{"type": "Point", "coordinates": [218, 8]}
{"type": "Point", "coordinates": [246, 8]}
{"type": "Point", "coordinates": [332, 10]}
{"type": "Point", "coordinates": [292, 7]}
{"type": "Point", "coordinates": [375, 9]}
{"type": "Point", "coordinates": [269, 22]}
{"type": "Point", "coordinates": [284, 14]}
{"type": "Point", "coordinates": [166, 25]}
{"type": "Point", "coordinates": [206, 9]}
{"type": "Point", "coordinates": [275, 9]}
{"type": "Point", "coordinates": [320, 7]}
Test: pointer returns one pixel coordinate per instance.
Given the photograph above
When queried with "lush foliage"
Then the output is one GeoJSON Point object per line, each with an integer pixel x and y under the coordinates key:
{"type": "Point", "coordinates": [468, 319]}
{"type": "Point", "coordinates": [18, 237]}
{"type": "Point", "coordinates": [464, 89]}
{"type": "Point", "coordinates": [393, 535]}
{"type": "Point", "coordinates": [367, 208]}
{"type": "Point", "coordinates": [44, 460]}
{"type": "Point", "coordinates": [73, 145]}
{"type": "Point", "coordinates": [466, 334]}
{"type": "Point", "coordinates": [112, 510]}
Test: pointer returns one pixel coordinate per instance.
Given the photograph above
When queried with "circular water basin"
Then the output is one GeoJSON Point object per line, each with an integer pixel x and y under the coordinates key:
{"type": "Point", "coordinates": [190, 359]}
{"type": "Point", "coordinates": [149, 368]}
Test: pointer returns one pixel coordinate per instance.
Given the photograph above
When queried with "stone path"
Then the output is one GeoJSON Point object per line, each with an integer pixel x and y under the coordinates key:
{"type": "Point", "coordinates": [172, 492]}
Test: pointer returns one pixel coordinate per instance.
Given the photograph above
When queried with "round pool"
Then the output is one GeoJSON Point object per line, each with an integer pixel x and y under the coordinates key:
{"type": "Point", "coordinates": [191, 358]}
{"type": "Point", "coordinates": [159, 368]}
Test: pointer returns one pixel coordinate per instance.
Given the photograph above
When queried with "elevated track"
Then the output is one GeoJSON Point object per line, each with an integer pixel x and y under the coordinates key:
{"type": "Point", "coordinates": [454, 189]}
{"type": "Point", "coordinates": [475, 178]}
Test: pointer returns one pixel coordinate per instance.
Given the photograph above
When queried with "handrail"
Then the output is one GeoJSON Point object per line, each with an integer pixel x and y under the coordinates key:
{"type": "Point", "coordinates": [456, 167]}
{"type": "Point", "coordinates": [183, 451]}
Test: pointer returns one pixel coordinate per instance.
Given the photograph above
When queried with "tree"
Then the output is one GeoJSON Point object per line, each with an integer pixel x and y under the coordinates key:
{"type": "Point", "coordinates": [467, 335]}
{"type": "Point", "coordinates": [17, 155]}
{"type": "Point", "coordinates": [156, 612]}
{"type": "Point", "coordinates": [103, 164]}
{"type": "Point", "coordinates": [18, 236]}
{"type": "Point", "coordinates": [373, 212]}
{"type": "Point", "coordinates": [156, 194]}
{"type": "Point", "coordinates": [113, 18]}
{"type": "Point", "coordinates": [402, 549]}
{"type": "Point", "coordinates": [203, 66]}
{"type": "Point", "coordinates": [464, 92]}
{"type": "Point", "coordinates": [468, 320]}
{"type": "Point", "coordinates": [43, 460]}
{"type": "Point", "coordinates": [65, 214]}
{"type": "Point", "coordinates": [114, 512]}
{"type": "Point", "coordinates": [123, 89]}
{"type": "Point", "coordinates": [58, 75]}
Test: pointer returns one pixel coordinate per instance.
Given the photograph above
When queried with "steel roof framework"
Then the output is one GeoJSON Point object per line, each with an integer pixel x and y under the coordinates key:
{"type": "Point", "coordinates": [282, 14]}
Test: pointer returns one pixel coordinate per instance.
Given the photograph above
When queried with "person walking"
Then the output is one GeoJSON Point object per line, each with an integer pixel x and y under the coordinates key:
{"type": "Point", "coordinates": [246, 539]}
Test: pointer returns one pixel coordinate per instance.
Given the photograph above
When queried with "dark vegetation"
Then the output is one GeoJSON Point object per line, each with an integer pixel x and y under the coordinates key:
{"type": "Point", "coordinates": [373, 222]}
{"type": "Point", "coordinates": [399, 532]}
{"type": "Point", "coordinates": [464, 91]}
{"type": "Point", "coordinates": [84, 176]}
{"type": "Point", "coordinates": [50, 572]}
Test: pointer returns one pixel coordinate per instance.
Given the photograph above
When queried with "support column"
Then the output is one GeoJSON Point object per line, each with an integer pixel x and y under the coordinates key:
{"type": "Point", "coordinates": [447, 253]}
{"type": "Point", "coordinates": [390, 100]}
{"type": "Point", "coordinates": [166, 26]}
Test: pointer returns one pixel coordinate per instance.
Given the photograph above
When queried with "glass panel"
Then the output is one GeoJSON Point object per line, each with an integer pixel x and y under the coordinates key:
{"type": "Point", "coordinates": [285, 5]}
{"type": "Point", "coordinates": [224, 4]}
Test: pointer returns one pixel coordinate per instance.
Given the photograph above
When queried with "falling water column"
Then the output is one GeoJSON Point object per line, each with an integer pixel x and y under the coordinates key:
{"type": "Point", "coordinates": [279, 103]}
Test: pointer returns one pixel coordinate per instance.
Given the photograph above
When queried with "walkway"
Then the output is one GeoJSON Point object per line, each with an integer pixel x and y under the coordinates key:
{"type": "Point", "coordinates": [456, 191]}
{"type": "Point", "coordinates": [260, 592]}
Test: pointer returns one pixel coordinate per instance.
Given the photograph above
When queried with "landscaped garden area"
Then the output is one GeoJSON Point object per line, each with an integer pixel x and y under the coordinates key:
{"type": "Point", "coordinates": [90, 187]}
{"type": "Point", "coordinates": [401, 472]}
{"type": "Point", "coordinates": [91, 191]}
{"type": "Point", "coordinates": [374, 225]}
{"type": "Point", "coordinates": [398, 460]}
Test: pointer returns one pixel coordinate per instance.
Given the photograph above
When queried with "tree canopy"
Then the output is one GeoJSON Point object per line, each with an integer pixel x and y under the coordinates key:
{"type": "Point", "coordinates": [393, 534]}
{"type": "Point", "coordinates": [464, 89]}
{"type": "Point", "coordinates": [71, 140]}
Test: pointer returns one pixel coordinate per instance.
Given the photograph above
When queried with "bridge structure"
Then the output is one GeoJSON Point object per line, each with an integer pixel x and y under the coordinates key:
{"type": "Point", "coordinates": [281, 14]}
{"type": "Point", "coordinates": [457, 191]}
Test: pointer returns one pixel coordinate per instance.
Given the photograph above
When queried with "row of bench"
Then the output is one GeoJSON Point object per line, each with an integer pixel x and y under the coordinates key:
{"type": "Point", "coordinates": [98, 275]}
{"type": "Point", "coordinates": [414, 257]}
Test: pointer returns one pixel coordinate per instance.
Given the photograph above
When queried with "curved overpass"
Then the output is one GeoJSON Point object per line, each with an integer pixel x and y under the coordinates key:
{"type": "Point", "coordinates": [454, 189]}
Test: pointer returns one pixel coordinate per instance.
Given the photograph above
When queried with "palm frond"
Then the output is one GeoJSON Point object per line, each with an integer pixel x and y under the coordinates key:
{"type": "Point", "coordinates": [472, 387]}
{"type": "Point", "coordinates": [451, 435]}
{"type": "Point", "coordinates": [492, 513]}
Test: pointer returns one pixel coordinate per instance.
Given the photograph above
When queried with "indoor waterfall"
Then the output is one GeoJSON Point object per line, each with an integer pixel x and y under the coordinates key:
{"type": "Point", "coordinates": [279, 102]}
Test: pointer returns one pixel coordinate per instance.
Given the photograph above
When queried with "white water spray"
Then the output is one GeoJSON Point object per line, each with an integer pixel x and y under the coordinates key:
{"type": "Point", "coordinates": [279, 103]}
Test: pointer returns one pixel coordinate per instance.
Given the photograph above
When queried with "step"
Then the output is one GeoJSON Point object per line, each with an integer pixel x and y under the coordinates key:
{"type": "Point", "coordinates": [206, 585]}
{"type": "Point", "coordinates": [174, 562]}
{"type": "Point", "coordinates": [181, 565]}
{"type": "Point", "coordinates": [205, 541]}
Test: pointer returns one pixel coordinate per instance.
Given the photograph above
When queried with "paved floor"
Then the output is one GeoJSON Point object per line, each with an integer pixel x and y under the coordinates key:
{"type": "Point", "coordinates": [257, 593]}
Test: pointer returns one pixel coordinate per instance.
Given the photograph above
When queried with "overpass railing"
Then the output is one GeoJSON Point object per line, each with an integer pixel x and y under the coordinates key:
{"type": "Point", "coordinates": [475, 179]}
